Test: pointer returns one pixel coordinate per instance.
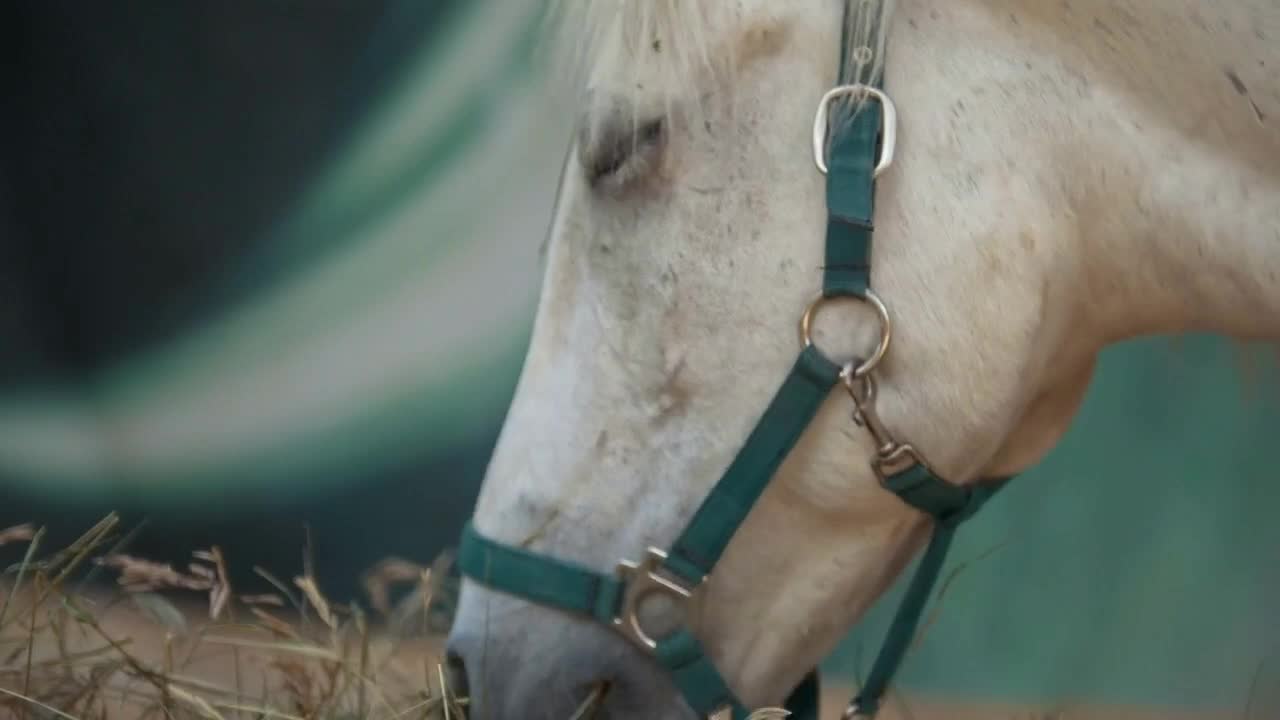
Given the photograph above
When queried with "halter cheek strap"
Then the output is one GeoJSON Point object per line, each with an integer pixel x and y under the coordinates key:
{"type": "Point", "coordinates": [861, 146]}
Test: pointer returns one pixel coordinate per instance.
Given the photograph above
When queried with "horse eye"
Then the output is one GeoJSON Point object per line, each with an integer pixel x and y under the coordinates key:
{"type": "Point", "coordinates": [617, 156]}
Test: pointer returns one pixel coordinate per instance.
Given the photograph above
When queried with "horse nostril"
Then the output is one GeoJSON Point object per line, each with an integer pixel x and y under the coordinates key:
{"type": "Point", "coordinates": [456, 675]}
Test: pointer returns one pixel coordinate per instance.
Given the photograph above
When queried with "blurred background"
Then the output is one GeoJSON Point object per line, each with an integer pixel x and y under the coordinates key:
{"type": "Point", "coordinates": [268, 270]}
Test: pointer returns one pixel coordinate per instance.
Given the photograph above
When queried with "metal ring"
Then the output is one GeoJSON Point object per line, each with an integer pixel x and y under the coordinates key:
{"type": "Point", "coordinates": [888, 125]}
{"type": "Point", "coordinates": [886, 330]}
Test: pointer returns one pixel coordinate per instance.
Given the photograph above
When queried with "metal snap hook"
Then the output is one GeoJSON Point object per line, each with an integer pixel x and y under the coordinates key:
{"type": "Point", "coordinates": [892, 457]}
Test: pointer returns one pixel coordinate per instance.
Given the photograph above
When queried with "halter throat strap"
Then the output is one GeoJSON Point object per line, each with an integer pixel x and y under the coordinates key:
{"type": "Point", "coordinates": [860, 145]}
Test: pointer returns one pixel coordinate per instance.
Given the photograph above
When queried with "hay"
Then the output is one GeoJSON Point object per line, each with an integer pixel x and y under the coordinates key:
{"type": "Point", "coordinates": [148, 651]}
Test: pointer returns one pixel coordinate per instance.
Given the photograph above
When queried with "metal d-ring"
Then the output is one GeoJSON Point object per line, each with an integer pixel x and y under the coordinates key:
{"type": "Point", "coordinates": [888, 125]}
{"type": "Point", "coordinates": [886, 330]}
{"type": "Point", "coordinates": [641, 580]}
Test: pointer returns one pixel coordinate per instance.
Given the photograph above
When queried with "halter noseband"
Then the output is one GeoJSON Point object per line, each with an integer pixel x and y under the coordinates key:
{"type": "Point", "coordinates": [862, 142]}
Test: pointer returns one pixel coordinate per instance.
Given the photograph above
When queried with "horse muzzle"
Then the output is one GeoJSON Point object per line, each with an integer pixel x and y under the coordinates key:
{"type": "Point", "coordinates": [515, 659]}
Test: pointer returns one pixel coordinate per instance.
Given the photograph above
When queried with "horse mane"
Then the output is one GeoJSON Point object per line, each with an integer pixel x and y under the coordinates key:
{"type": "Point", "coordinates": [589, 34]}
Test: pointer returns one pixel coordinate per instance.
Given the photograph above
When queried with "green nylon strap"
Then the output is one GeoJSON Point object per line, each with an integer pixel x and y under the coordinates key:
{"type": "Point", "coordinates": [543, 579]}
{"type": "Point", "coordinates": [902, 630]}
{"type": "Point", "coordinates": [851, 160]}
{"type": "Point", "coordinates": [705, 691]}
{"type": "Point", "coordinates": [850, 200]}
{"type": "Point", "coordinates": [707, 535]}
{"type": "Point", "coordinates": [949, 505]}
{"type": "Point", "coordinates": [697, 678]}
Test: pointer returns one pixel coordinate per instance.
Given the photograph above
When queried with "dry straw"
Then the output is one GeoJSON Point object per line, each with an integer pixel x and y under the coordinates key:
{"type": "Point", "coordinates": [140, 652]}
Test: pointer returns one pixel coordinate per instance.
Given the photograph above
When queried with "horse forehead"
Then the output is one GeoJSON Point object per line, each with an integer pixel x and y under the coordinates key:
{"type": "Point", "coordinates": [649, 45]}
{"type": "Point", "coordinates": [761, 35]}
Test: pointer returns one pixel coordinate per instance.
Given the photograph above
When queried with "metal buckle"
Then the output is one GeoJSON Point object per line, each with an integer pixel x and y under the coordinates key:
{"type": "Point", "coordinates": [888, 125]}
{"type": "Point", "coordinates": [886, 329]}
{"type": "Point", "coordinates": [640, 580]}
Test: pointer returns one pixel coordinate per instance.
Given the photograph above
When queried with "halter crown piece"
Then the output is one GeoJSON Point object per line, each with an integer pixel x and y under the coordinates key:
{"type": "Point", "coordinates": [861, 121]}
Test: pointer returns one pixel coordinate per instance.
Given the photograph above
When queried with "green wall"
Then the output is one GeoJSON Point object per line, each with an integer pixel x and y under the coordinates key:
{"type": "Point", "coordinates": [1140, 563]}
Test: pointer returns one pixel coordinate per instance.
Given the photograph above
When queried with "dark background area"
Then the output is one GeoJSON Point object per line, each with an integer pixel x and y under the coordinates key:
{"type": "Point", "coordinates": [146, 149]}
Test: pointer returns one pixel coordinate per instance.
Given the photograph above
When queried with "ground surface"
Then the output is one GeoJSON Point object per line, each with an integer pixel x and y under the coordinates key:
{"type": "Point", "coordinates": [289, 681]}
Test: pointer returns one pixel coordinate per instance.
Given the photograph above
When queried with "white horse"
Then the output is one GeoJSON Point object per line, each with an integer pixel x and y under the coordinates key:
{"type": "Point", "coordinates": [1068, 175]}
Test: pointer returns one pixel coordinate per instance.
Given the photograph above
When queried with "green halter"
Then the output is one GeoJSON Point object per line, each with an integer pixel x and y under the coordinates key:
{"type": "Point", "coordinates": [861, 133]}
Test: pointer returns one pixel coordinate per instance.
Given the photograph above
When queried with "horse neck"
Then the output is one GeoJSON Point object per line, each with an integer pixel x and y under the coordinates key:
{"type": "Point", "coordinates": [1185, 240]}
{"type": "Point", "coordinates": [1176, 197]}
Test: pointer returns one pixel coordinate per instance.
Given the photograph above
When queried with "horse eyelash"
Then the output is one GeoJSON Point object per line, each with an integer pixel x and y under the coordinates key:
{"type": "Point", "coordinates": [630, 158]}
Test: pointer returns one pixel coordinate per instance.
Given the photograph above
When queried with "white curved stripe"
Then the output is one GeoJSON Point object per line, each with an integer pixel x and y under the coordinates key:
{"type": "Point", "coordinates": [384, 316]}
